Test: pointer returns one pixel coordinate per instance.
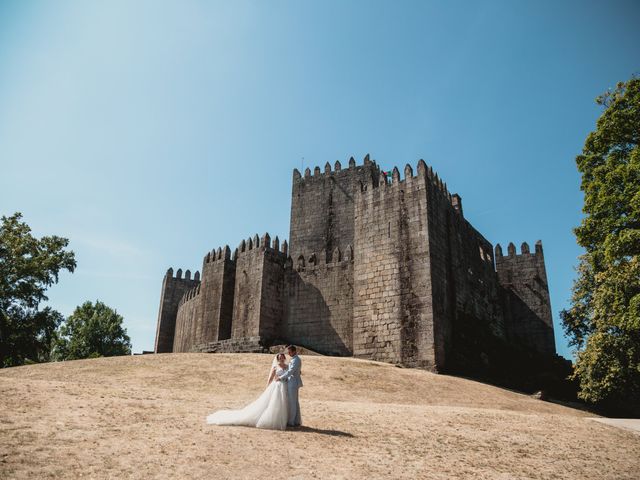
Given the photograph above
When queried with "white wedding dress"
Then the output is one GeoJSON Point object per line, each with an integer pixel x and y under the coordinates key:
{"type": "Point", "coordinates": [269, 410]}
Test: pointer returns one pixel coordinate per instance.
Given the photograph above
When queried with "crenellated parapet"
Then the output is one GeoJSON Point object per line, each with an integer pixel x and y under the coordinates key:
{"type": "Point", "coordinates": [221, 254]}
{"type": "Point", "coordinates": [257, 244]}
{"type": "Point", "coordinates": [424, 175]}
{"type": "Point", "coordinates": [323, 259]}
{"type": "Point", "coordinates": [328, 171]}
{"type": "Point", "coordinates": [192, 285]}
{"type": "Point", "coordinates": [178, 276]}
{"type": "Point", "coordinates": [189, 295]}
{"type": "Point", "coordinates": [524, 250]}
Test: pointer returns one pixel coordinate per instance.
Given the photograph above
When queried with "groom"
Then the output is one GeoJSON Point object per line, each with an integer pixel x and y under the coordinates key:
{"type": "Point", "coordinates": [294, 382]}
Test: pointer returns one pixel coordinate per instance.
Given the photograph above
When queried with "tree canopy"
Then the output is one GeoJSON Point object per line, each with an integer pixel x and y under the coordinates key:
{"type": "Point", "coordinates": [92, 330]}
{"type": "Point", "coordinates": [28, 266]}
{"type": "Point", "coordinates": [603, 321]}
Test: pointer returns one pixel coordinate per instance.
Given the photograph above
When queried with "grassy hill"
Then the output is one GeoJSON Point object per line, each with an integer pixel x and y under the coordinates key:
{"type": "Point", "coordinates": [144, 417]}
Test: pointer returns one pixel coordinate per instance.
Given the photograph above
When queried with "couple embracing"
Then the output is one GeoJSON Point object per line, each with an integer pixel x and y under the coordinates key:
{"type": "Point", "coordinates": [278, 406]}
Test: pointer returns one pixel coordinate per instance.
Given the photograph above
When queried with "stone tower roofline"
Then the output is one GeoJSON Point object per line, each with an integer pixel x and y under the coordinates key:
{"type": "Point", "coordinates": [317, 259]}
{"type": "Point", "coordinates": [337, 167]}
{"type": "Point", "coordinates": [187, 278]}
{"type": "Point", "coordinates": [190, 295]}
{"type": "Point", "coordinates": [187, 275]}
{"type": "Point", "coordinates": [524, 250]}
{"type": "Point", "coordinates": [214, 255]}
{"type": "Point", "coordinates": [261, 243]}
{"type": "Point", "coordinates": [423, 172]}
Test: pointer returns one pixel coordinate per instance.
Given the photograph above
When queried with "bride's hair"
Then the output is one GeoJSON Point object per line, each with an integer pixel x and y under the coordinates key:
{"type": "Point", "coordinates": [276, 359]}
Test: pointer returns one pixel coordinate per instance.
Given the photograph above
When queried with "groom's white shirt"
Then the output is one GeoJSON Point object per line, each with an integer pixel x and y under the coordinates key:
{"type": "Point", "coordinates": [292, 374]}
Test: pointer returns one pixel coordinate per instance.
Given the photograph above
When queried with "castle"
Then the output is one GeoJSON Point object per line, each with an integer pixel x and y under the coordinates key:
{"type": "Point", "coordinates": [377, 266]}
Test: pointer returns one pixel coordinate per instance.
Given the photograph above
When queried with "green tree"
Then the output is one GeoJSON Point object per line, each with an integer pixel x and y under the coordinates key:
{"type": "Point", "coordinates": [92, 331]}
{"type": "Point", "coordinates": [28, 266]}
{"type": "Point", "coordinates": [603, 322]}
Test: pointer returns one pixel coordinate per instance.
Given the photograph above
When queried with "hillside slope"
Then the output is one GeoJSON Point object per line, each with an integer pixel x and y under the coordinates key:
{"type": "Point", "coordinates": [143, 417]}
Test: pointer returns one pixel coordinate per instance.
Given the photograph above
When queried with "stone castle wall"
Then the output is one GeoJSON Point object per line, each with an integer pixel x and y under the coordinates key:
{"type": "Point", "coordinates": [216, 295]}
{"type": "Point", "coordinates": [463, 278]}
{"type": "Point", "coordinates": [392, 304]}
{"type": "Point", "coordinates": [188, 320]}
{"type": "Point", "coordinates": [322, 207]}
{"type": "Point", "coordinates": [379, 267]}
{"type": "Point", "coordinates": [526, 296]}
{"type": "Point", "coordinates": [319, 297]}
{"type": "Point", "coordinates": [173, 289]}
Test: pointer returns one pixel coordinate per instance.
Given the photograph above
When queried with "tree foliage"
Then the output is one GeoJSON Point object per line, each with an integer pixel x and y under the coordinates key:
{"type": "Point", "coordinates": [603, 321]}
{"type": "Point", "coordinates": [28, 266]}
{"type": "Point", "coordinates": [92, 331]}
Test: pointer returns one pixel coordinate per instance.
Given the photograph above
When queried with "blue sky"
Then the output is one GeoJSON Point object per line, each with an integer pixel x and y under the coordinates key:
{"type": "Point", "coordinates": [149, 132]}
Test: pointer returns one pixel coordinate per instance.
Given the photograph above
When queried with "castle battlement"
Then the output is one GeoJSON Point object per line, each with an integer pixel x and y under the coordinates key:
{"type": "Point", "coordinates": [424, 173]}
{"type": "Point", "coordinates": [524, 249]}
{"type": "Point", "coordinates": [379, 265]}
{"type": "Point", "coordinates": [189, 295]}
{"type": "Point", "coordinates": [328, 172]}
{"type": "Point", "coordinates": [323, 258]}
{"type": "Point", "coordinates": [178, 276]}
{"type": "Point", "coordinates": [214, 255]}
{"type": "Point", "coordinates": [261, 245]}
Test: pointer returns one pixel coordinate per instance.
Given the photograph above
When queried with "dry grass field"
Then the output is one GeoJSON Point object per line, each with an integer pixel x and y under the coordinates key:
{"type": "Point", "coordinates": [143, 417]}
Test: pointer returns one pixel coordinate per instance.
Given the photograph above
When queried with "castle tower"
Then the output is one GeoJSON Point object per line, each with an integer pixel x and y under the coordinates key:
{"type": "Point", "coordinates": [319, 299]}
{"type": "Point", "coordinates": [322, 207]}
{"type": "Point", "coordinates": [218, 282]}
{"type": "Point", "coordinates": [421, 271]}
{"type": "Point", "coordinates": [393, 315]}
{"type": "Point", "coordinates": [526, 300]}
{"type": "Point", "coordinates": [173, 289]}
{"type": "Point", "coordinates": [258, 309]}
{"type": "Point", "coordinates": [379, 266]}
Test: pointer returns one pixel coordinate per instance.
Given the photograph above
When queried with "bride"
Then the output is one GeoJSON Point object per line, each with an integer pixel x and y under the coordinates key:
{"type": "Point", "coordinates": [269, 410]}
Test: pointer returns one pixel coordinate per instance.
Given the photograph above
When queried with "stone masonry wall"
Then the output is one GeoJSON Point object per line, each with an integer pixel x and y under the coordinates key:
{"type": "Point", "coordinates": [173, 289]}
{"type": "Point", "coordinates": [258, 308]}
{"type": "Point", "coordinates": [322, 207]}
{"type": "Point", "coordinates": [272, 309]}
{"type": "Point", "coordinates": [392, 293]}
{"type": "Point", "coordinates": [463, 278]}
{"type": "Point", "coordinates": [248, 287]}
{"type": "Point", "coordinates": [319, 299]}
{"type": "Point", "coordinates": [233, 345]}
{"type": "Point", "coordinates": [218, 284]}
{"type": "Point", "coordinates": [188, 320]}
{"type": "Point", "coordinates": [319, 293]}
{"type": "Point", "coordinates": [526, 296]}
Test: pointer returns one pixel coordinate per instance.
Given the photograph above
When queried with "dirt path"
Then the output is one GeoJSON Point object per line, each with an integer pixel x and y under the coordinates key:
{"type": "Point", "coordinates": [143, 417]}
